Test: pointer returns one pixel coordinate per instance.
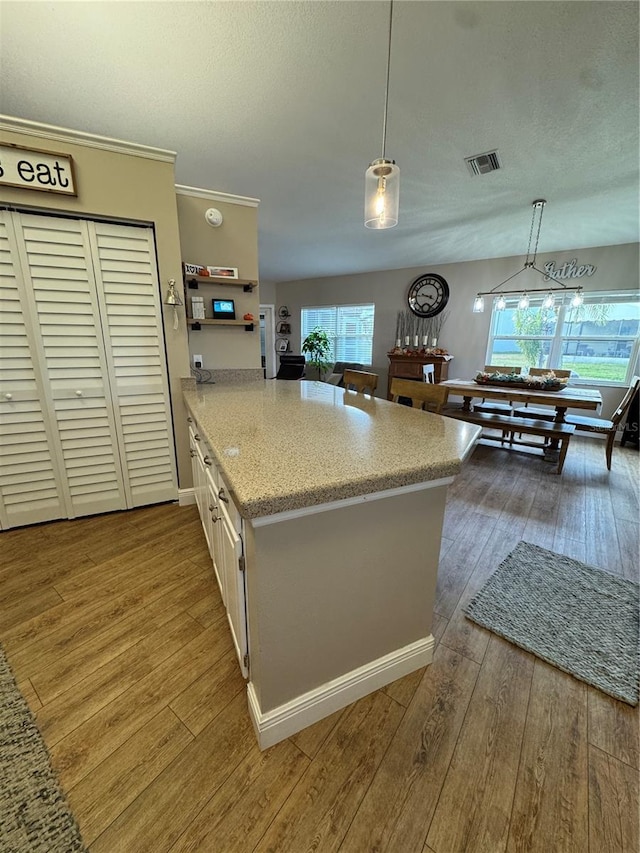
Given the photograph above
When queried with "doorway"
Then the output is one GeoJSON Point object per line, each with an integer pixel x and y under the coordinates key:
{"type": "Point", "coordinates": [268, 340]}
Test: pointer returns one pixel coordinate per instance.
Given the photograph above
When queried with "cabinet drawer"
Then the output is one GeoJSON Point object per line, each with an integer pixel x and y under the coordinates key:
{"type": "Point", "coordinates": [407, 371]}
{"type": "Point", "coordinates": [227, 504]}
{"type": "Point", "coordinates": [215, 478]}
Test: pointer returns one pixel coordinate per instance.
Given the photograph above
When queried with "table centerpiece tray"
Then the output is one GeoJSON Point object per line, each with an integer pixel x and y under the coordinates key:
{"type": "Point", "coordinates": [533, 384]}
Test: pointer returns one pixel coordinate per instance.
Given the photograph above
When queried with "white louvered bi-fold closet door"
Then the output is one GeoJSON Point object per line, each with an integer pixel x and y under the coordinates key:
{"type": "Point", "coordinates": [60, 281]}
{"type": "Point", "coordinates": [32, 487]}
{"type": "Point", "coordinates": [128, 292]}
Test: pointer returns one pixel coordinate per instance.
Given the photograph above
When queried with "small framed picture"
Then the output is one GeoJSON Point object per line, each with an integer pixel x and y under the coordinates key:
{"type": "Point", "coordinates": [282, 345]}
{"type": "Point", "coordinates": [223, 272]}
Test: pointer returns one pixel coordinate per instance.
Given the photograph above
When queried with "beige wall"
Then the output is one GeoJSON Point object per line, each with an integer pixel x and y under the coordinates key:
{"type": "Point", "coordinates": [464, 334]}
{"type": "Point", "coordinates": [268, 293]}
{"type": "Point", "coordinates": [132, 188]}
{"type": "Point", "coordinates": [233, 244]}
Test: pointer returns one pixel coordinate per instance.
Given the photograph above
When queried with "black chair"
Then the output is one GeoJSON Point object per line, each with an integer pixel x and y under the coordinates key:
{"type": "Point", "coordinates": [291, 367]}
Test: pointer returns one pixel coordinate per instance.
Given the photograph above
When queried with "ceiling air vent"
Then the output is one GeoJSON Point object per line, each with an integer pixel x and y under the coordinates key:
{"type": "Point", "coordinates": [483, 163]}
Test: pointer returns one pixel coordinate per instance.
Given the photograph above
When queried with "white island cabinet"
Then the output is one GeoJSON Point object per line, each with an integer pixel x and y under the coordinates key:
{"type": "Point", "coordinates": [222, 527]}
{"type": "Point", "coordinates": [323, 512]}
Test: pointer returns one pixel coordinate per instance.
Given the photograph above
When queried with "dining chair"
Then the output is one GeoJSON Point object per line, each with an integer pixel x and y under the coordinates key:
{"type": "Point", "coordinates": [423, 395]}
{"type": "Point", "coordinates": [543, 371]}
{"type": "Point", "coordinates": [492, 406]}
{"type": "Point", "coordinates": [581, 422]}
{"type": "Point", "coordinates": [495, 368]}
{"type": "Point", "coordinates": [360, 381]}
{"type": "Point", "coordinates": [429, 373]}
{"type": "Point", "coordinates": [546, 414]}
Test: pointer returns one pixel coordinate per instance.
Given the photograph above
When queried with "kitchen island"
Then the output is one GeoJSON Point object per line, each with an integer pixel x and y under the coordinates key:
{"type": "Point", "coordinates": [323, 510]}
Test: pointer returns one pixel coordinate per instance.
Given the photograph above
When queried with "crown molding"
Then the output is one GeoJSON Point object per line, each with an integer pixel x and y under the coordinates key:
{"type": "Point", "coordinates": [78, 137]}
{"type": "Point", "coordinates": [212, 195]}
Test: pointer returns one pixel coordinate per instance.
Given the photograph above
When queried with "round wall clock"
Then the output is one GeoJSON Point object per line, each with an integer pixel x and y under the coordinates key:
{"type": "Point", "coordinates": [428, 295]}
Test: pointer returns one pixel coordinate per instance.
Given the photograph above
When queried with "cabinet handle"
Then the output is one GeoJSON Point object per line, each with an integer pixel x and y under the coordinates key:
{"type": "Point", "coordinates": [211, 507]}
{"type": "Point", "coordinates": [78, 393]}
{"type": "Point", "coordinates": [222, 496]}
{"type": "Point", "coordinates": [197, 437]}
{"type": "Point", "coordinates": [207, 461]}
{"type": "Point", "coordinates": [214, 518]}
{"type": "Point", "coordinates": [192, 452]}
{"type": "Point", "coordinates": [8, 396]}
{"type": "Point", "coordinates": [189, 420]}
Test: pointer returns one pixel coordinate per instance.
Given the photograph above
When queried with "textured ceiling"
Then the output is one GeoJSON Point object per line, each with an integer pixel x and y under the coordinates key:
{"type": "Point", "coordinates": [283, 101]}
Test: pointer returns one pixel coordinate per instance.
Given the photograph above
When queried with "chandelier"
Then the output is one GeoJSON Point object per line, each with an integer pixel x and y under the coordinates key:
{"type": "Point", "coordinates": [382, 178]}
{"type": "Point", "coordinates": [529, 263]}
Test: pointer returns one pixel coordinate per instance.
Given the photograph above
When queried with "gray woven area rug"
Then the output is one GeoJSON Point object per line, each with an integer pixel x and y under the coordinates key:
{"type": "Point", "coordinates": [34, 815]}
{"type": "Point", "coordinates": [574, 616]}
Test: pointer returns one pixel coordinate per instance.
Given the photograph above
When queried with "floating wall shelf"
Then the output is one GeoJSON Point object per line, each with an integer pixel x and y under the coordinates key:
{"type": "Point", "coordinates": [194, 280]}
{"type": "Point", "coordinates": [196, 324]}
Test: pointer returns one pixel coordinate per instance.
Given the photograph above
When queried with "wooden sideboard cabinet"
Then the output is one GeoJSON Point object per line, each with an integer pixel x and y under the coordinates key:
{"type": "Point", "coordinates": [410, 367]}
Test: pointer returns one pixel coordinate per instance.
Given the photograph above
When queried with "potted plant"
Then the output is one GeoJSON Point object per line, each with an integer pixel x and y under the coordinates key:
{"type": "Point", "coordinates": [318, 347]}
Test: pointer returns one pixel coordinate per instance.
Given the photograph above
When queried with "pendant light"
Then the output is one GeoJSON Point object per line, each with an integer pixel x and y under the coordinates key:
{"type": "Point", "coordinates": [382, 178]}
{"type": "Point", "coordinates": [530, 263]}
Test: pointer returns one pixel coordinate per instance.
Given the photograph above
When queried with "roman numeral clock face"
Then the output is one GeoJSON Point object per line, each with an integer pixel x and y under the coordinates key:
{"type": "Point", "coordinates": [428, 295]}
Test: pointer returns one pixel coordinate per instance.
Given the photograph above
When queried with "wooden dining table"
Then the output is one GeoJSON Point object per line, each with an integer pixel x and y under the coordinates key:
{"type": "Point", "coordinates": [569, 397]}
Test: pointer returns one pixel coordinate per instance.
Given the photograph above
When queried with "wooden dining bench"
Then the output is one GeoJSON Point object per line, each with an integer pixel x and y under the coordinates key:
{"type": "Point", "coordinates": [510, 425]}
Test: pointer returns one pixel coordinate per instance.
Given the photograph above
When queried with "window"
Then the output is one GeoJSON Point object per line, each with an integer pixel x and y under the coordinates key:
{"type": "Point", "coordinates": [597, 341]}
{"type": "Point", "coordinates": [349, 327]}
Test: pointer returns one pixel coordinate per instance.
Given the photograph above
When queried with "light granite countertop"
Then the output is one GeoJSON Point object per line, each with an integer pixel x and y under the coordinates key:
{"type": "Point", "coordinates": [288, 445]}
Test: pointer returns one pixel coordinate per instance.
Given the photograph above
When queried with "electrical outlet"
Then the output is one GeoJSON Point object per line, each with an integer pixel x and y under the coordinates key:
{"type": "Point", "coordinates": [197, 361]}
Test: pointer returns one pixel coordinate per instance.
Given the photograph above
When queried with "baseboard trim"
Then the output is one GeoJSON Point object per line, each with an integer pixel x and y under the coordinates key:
{"type": "Point", "coordinates": [304, 710]}
{"type": "Point", "coordinates": [186, 497]}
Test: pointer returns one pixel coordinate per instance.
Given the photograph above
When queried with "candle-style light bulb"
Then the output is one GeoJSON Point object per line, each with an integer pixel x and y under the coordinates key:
{"type": "Point", "coordinates": [380, 199]}
{"type": "Point", "coordinates": [478, 304]}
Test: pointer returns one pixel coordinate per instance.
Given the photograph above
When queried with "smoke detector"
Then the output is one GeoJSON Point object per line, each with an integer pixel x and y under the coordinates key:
{"type": "Point", "coordinates": [481, 164]}
{"type": "Point", "coordinates": [213, 217]}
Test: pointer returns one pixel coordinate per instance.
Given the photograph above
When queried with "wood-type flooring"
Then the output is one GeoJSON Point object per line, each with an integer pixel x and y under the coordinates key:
{"type": "Point", "coordinates": [116, 633]}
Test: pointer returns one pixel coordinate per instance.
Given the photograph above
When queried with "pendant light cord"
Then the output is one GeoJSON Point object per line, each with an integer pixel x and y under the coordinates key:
{"type": "Point", "coordinates": [535, 250]}
{"type": "Point", "coordinates": [386, 95]}
{"type": "Point", "coordinates": [532, 262]}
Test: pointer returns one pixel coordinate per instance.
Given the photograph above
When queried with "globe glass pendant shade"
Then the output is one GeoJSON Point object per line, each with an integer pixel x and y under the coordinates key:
{"type": "Point", "coordinates": [381, 194]}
